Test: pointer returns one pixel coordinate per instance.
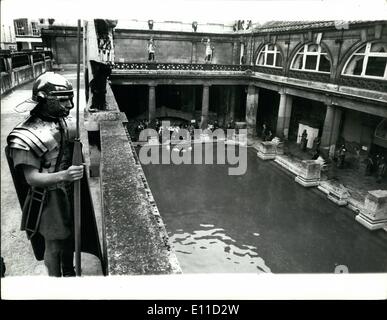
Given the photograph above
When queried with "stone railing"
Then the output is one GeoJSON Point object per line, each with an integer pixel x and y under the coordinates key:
{"type": "Point", "coordinates": [135, 240]}
{"type": "Point", "coordinates": [177, 66]}
{"type": "Point", "coordinates": [275, 71]}
{"type": "Point", "coordinates": [307, 75]}
{"type": "Point", "coordinates": [371, 84]}
{"type": "Point", "coordinates": [20, 67]}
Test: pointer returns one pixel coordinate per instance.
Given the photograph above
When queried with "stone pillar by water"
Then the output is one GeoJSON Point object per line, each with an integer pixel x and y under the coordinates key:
{"type": "Point", "coordinates": [251, 110]}
{"type": "Point", "coordinates": [281, 115]}
{"type": "Point", "coordinates": [205, 102]}
{"type": "Point", "coordinates": [309, 173]}
{"type": "Point", "coordinates": [331, 129]}
{"type": "Point", "coordinates": [152, 102]}
{"type": "Point", "coordinates": [327, 129]}
{"type": "Point", "coordinates": [231, 112]}
{"type": "Point", "coordinates": [193, 100]}
{"type": "Point", "coordinates": [374, 215]}
{"type": "Point", "coordinates": [288, 113]}
{"type": "Point", "coordinates": [335, 130]}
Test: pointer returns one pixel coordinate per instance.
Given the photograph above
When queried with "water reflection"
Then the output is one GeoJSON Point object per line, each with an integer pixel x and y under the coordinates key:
{"type": "Point", "coordinates": [210, 249]}
{"type": "Point", "coordinates": [258, 222]}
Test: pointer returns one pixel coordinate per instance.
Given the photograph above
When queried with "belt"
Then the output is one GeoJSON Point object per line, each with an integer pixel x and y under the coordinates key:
{"type": "Point", "coordinates": [59, 185]}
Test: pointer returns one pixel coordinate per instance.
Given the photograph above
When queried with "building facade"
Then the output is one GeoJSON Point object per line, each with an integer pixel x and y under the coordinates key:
{"type": "Point", "coordinates": [327, 77]}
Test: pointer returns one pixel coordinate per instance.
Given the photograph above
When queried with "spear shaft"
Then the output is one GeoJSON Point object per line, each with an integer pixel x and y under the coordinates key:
{"type": "Point", "coordinates": [77, 161]}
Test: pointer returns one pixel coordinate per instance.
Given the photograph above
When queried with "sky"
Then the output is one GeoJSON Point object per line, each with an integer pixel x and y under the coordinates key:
{"type": "Point", "coordinates": [216, 11]}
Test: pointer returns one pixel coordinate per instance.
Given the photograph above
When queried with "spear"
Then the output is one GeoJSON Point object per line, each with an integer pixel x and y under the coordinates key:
{"type": "Point", "coordinates": [77, 161]}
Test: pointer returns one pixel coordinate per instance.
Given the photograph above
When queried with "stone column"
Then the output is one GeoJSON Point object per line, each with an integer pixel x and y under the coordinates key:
{"type": "Point", "coordinates": [31, 59]}
{"type": "Point", "coordinates": [193, 102]}
{"type": "Point", "coordinates": [231, 112]}
{"type": "Point", "coordinates": [335, 129]}
{"type": "Point", "coordinates": [44, 63]}
{"type": "Point", "coordinates": [205, 102]}
{"type": "Point", "coordinates": [10, 71]}
{"type": "Point", "coordinates": [331, 129]}
{"type": "Point", "coordinates": [288, 113]}
{"type": "Point", "coordinates": [152, 102]}
{"type": "Point", "coordinates": [374, 214]}
{"type": "Point", "coordinates": [327, 129]}
{"type": "Point", "coordinates": [281, 115]}
{"type": "Point", "coordinates": [251, 110]}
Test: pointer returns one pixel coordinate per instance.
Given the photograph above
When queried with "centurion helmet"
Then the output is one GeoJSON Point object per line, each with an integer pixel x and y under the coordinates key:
{"type": "Point", "coordinates": [49, 85]}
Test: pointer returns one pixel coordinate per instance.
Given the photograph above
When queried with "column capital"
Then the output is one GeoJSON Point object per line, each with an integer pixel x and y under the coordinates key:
{"type": "Point", "coordinates": [207, 84]}
{"type": "Point", "coordinates": [282, 91]}
{"type": "Point", "coordinates": [330, 106]}
{"type": "Point", "coordinates": [251, 88]}
{"type": "Point", "coordinates": [152, 84]}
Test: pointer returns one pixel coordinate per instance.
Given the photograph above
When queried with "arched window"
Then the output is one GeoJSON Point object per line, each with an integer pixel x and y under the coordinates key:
{"type": "Point", "coordinates": [370, 61]}
{"type": "Point", "coordinates": [312, 57]}
{"type": "Point", "coordinates": [270, 56]}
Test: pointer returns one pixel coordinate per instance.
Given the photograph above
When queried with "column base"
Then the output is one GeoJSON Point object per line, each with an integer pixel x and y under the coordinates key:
{"type": "Point", "coordinates": [307, 183]}
{"type": "Point", "coordinates": [369, 223]}
{"type": "Point", "coordinates": [266, 156]}
{"type": "Point", "coordinates": [337, 199]}
{"type": "Point", "coordinates": [336, 195]}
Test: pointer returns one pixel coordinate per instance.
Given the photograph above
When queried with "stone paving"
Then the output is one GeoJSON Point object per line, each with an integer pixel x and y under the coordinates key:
{"type": "Point", "coordinates": [15, 248]}
{"type": "Point", "coordinates": [351, 178]}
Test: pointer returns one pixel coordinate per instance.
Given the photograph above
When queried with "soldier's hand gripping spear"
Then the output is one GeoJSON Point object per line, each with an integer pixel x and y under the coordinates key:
{"type": "Point", "coordinates": [77, 161]}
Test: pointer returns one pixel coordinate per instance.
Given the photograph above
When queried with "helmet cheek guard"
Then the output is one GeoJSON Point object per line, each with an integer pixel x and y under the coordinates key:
{"type": "Point", "coordinates": [40, 96]}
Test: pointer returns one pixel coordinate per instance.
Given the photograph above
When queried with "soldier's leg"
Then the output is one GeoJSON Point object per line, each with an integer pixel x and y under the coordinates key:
{"type": "Point", "coordinates": [52, 257]}
{"type": "Point", "coordinates": [67, 257]}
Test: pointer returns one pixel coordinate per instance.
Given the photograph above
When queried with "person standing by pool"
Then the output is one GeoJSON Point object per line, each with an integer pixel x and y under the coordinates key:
{"type": "Point", "coordinates": [381, 169]}
{"type": "Point", "coordinates": [341, 156]}
{"type": "Point", "coordinates": [304, 140]}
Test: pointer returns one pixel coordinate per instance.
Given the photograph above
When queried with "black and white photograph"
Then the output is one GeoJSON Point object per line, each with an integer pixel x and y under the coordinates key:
{"type": "Point", "coordinates": [193, 150]}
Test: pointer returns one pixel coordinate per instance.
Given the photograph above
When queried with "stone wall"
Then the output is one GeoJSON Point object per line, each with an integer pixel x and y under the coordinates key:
{"type": "Point", "coordinates": [131, 46]}
{"type": "Point", "coordinates": [66, 50]}
{"type": "Point", "coordinates": [135, 238]}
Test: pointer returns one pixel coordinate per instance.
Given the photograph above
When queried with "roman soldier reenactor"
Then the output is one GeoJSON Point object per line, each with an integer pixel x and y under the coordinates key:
{"type": "Point", "coordinates": [39, 154]}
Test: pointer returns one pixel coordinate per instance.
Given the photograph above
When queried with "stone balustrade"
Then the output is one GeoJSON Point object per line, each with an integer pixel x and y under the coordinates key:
{"type": "Point", "coordinates": [177, 66]}
{"type": "Point", "coordinates": [18, 68]}
{"type": "Point", "coordinates": [374, 214]}
{"type": "Point", "coordinates": [310, 173]}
